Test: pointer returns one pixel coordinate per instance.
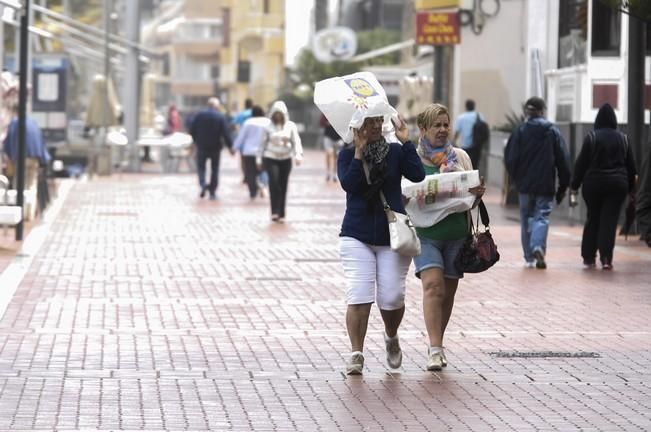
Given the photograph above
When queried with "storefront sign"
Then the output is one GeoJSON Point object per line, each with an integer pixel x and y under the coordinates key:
{"type": "Point", "coordinates": [438, 28]}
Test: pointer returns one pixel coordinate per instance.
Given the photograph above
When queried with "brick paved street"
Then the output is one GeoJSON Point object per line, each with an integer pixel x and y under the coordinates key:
{"type": "Point", "coordinates": [147, 308]}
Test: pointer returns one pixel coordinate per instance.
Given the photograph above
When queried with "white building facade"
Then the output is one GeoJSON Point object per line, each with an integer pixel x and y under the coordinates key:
{"type": "Point", "coordinates": [574, 53]}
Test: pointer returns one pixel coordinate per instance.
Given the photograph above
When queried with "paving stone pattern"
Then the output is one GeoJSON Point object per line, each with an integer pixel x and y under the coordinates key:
{"type": "Point", "coordinates": [148, 308]}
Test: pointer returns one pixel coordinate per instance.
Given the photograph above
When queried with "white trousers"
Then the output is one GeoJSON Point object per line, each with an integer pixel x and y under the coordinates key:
{"type": "Point", "coordinates": [373, 274]}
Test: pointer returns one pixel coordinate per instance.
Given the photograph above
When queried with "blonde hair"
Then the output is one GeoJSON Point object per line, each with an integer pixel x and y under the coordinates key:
{"type": "Point", "coordinates": [427, 118]}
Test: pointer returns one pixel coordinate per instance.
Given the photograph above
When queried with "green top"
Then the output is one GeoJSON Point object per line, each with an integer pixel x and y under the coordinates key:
{"type": "Point", "coordinates": [452, 227]}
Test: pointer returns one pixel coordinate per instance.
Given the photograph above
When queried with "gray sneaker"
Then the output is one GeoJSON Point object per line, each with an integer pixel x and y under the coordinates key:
{"type": "Point", "coordinates": [394, 353]}
{"type": "Point", "coordinates": [435, 361]}
{"type": "Point", "coordinates": [356, 364]}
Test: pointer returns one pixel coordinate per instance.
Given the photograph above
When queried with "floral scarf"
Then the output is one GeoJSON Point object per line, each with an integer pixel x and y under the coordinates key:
{"type": "Point", "coordinates": [443, 157]}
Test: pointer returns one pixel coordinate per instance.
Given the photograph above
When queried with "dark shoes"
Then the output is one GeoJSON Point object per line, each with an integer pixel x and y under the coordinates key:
{"type": "Point", "coordinates": [539, 256]}
{"type": "Point", "coordinates": [212, 196]}
{"type": "Point", "coordinates": [589, 264]}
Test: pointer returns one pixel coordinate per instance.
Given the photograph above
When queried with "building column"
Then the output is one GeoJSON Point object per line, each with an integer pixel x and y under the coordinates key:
{"type": "Point", "coordinates": [132, 84]}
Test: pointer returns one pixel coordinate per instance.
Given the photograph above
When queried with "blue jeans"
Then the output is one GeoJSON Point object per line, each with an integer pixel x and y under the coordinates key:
{"type": "Point", "coordinates": [534, 223]}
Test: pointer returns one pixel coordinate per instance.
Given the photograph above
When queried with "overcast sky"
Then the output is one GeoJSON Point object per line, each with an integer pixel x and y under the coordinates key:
{"type": "Point", "coordinates": [298, 22]}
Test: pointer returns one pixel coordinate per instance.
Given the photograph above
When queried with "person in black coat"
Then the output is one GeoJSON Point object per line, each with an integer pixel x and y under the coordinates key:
{"type": "Point", "coordinates": [606, 169]}
{"type": "Point", "coordinates": [209, 130]}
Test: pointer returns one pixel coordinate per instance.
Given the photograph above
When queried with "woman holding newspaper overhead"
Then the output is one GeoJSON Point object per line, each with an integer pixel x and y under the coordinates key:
{"type": "Point", "coordinates": [442, 241]}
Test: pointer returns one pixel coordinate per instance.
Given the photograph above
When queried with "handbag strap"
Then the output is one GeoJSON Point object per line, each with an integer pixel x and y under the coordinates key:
{"type": "Point", "coordinates": [482, 215]}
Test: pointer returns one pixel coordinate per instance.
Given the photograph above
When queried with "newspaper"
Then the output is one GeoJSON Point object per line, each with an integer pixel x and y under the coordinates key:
{"type": "Point", "coordinates": [438, 196]}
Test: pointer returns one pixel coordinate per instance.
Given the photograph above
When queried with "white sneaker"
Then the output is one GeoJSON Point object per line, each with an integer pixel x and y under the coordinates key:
{"type": "Point", "coordinates": [435, 361]}
{"type": "Point", "coordinates": [356, 363]}
{"type": "Point", "coordinates": [394, 353]}
{"type": "Point", "coordinates": [529, 264]}
{"type": "Point", "coordinates": [444, 359]}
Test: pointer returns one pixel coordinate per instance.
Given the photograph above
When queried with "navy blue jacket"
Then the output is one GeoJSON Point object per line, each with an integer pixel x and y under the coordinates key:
{"type": "Point", "coordinates": [368, 223]}
{"type": "Point", "coordinates": [535, 153]}
{"type": "Point", "coordinates": [208, 129]}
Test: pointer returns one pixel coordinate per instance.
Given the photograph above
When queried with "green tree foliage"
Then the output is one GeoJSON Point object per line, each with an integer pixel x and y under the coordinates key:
{"type": "Point", "coordinates": [638, 8]}
{"type": "Point", "coordinates": [309, 70]}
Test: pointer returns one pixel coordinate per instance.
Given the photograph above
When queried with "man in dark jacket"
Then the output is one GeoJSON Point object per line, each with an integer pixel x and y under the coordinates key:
{"type": "Point", "coordinates": [535, 154]}
{"type": "Point", "coordinates": [208, 129]}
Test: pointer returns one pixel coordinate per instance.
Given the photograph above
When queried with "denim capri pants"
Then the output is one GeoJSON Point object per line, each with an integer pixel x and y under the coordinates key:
{"type": "Point", "coordinates": [439, 254]}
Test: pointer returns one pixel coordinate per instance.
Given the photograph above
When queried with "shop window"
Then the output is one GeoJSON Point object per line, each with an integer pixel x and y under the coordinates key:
{"type": "Point", "coordinates": [572, 32]}
{"type": "Point", "coordinates": [606, 29]}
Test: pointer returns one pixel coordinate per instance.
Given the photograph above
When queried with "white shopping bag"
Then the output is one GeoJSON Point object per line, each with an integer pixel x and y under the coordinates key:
{"type": "Point", "coordinates": [438, 196]}
{"type": "Point", "coordinates": [346, 101]}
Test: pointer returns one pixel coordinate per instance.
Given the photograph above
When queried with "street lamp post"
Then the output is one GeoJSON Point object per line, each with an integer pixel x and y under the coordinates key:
{"type": "Point", "coordinates": [22, 113]}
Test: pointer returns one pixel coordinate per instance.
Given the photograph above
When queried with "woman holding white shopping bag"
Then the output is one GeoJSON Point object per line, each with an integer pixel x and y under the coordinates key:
{"type": "Point", "coordinates": [356, 106]}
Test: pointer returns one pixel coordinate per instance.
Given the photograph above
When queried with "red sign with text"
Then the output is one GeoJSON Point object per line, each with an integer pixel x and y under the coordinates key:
{"type": "Point", "coordinates": [433, 28]}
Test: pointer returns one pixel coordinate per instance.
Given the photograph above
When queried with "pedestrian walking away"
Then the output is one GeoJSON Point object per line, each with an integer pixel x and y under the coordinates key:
{"type": "Point", "coordinates": [173, 121]}
{"type": "Point", "coordinates": [441, 242]}
{"type": "Point", "coordinates": [248, 142]}
{"type": "Point", "coordinates": [374, 272]}
{"type": "Point", "coordinates": [237, 123]}
{"type": "Point", "coordinates": [471, 132]}
{"type": "Point", "coordinates": [605, 171]}
{"type": "Point", "coordinates": [209, 130]}
{"type": "Point", "coordinates": [534, 156]}
{"type": "Point", "coordinates": [281, 145]}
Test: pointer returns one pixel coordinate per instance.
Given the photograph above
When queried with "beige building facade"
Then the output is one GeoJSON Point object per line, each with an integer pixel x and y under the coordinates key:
{"type": "Point", "coordinates": [233, 49]}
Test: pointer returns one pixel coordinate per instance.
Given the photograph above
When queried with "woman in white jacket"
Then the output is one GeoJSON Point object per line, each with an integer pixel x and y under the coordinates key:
{"type": "Point", "coordinates": [281, 144]}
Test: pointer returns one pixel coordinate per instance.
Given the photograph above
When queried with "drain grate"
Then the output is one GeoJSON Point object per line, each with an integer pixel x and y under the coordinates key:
{"type": "Point", "coordinates": [118, 213]}
{"type": "Point", "coordinates": [545, 354]}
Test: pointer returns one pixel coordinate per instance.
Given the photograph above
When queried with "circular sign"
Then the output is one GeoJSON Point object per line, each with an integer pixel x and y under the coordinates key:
{"type": "Point", "coordinates": [335, 43]}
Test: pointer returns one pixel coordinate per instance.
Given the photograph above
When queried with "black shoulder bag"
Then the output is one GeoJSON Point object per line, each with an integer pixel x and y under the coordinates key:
{"type": "Point", "coordinates": [479, 251]}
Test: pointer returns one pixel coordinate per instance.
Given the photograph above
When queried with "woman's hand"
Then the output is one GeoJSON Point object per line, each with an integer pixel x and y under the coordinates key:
{"type": "Point", "coordinates": [402, 133]}
{"type": "Point", "coordinates": [480, 190]}
{"type": "Point", "coordinates": [360, 140]}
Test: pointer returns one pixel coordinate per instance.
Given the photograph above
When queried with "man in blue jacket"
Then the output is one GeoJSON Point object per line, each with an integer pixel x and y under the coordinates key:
{"type": "Point", "coordinates": [209, 130]}
{"type": "Point", "coordinates": [535, 154]}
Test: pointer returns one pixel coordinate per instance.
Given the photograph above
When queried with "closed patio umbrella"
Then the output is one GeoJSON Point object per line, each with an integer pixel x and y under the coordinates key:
{"type": "Point", "coordinates": [100, 113]}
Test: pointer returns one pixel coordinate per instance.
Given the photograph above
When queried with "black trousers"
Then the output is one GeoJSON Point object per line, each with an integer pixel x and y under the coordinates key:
{"type": "Point", "coordinates": [278, 171]}
{"type": "Point", "coordinates": [604, 200]}
{"type": "Point", "coordinates": [250, 174]}
{"type": "Point", "coordinates": [203, 156]}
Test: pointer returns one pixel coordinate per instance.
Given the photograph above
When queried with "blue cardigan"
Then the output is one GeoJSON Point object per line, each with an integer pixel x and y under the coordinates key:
{"type": "Point", "coordinates": [365, 223]}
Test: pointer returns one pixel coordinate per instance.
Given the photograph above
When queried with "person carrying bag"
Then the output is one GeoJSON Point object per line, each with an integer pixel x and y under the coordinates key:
{"type": "Point", "coordinates": [370, 170]}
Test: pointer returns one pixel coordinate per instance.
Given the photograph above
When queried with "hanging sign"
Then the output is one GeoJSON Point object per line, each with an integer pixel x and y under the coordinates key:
{"type": "Point", "coordinates": [436, 4]}
{"type": "Point", "coordinates": [438, 28]}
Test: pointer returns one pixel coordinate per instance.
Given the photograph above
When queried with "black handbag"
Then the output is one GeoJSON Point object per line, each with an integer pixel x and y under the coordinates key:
{"type": "Point", "coordinates": [479, 251]}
